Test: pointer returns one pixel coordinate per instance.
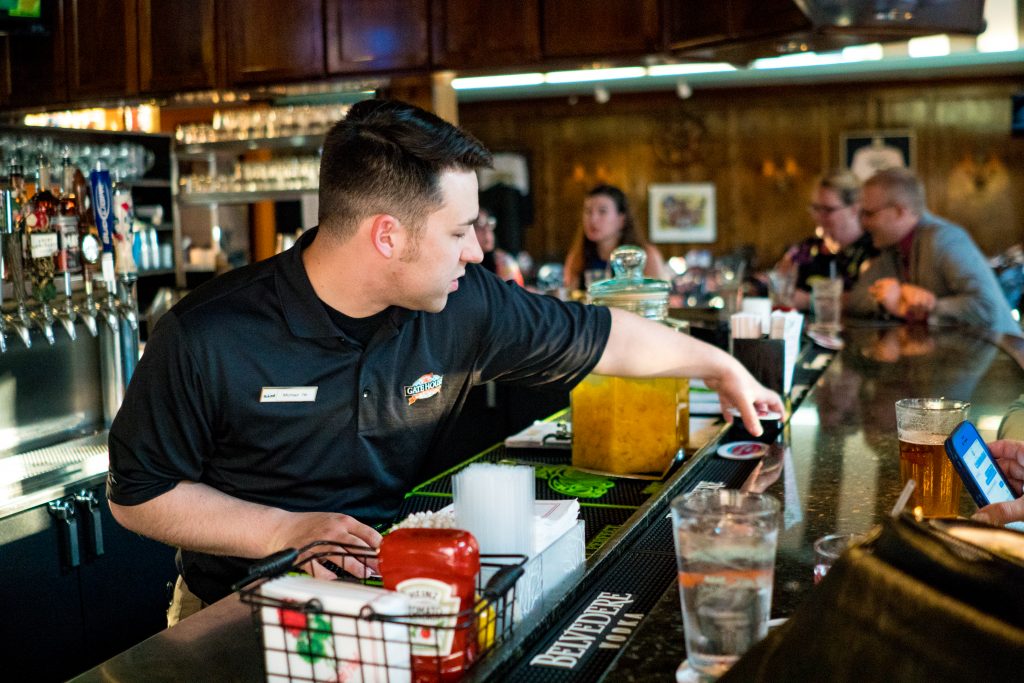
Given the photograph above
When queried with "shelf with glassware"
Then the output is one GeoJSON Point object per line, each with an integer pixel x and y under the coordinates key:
{"type": "Point", "coordinates": [245, 157]}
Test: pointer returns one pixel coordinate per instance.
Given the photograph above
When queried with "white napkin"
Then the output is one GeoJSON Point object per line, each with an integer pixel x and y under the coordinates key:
{"type": "Point", "coordinates": [297, 645]}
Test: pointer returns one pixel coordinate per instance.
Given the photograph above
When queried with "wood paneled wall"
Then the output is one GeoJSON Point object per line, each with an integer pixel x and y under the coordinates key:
{"type": "Point", "coordinates": [972, 168]}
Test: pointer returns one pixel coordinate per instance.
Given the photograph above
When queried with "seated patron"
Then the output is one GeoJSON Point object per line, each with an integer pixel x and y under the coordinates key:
{"type": "Point", "coordinates": [496, 260]}
{"type": "Point", "coordinates": [607, 224]}
{"type": "Point", "coordinates": [843, 247]}
{"type": "Point", "coordinates": [928, 269]}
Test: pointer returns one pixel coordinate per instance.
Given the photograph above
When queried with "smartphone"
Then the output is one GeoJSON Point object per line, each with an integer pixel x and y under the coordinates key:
{"type": "Point", "coordinates": [977, 468]}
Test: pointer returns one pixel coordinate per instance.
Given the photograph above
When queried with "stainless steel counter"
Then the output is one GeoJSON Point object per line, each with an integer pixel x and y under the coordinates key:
{"type": "Point", "coordinates": [39, 476]}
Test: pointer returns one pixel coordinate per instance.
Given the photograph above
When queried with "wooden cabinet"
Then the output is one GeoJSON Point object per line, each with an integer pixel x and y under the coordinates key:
{"type": "Point", "coordinates": [691, 23]}
{"type": "Point", "coordinates": [78, 588]}
{"type": "Point", "coordinates": [377, 35]}
{"type": "Point", "coordinates": [268, 40]}
{"type": "Point", "coordinates": [177, 42]}
{"type": "Point", "coordinates": [582, 28]}
{"type": "Point", "coordinates": [470, 34]}
{"type": "Point", "coordinates": [102, 48]}
{"type": "Point", "coordinates": [32, 65]}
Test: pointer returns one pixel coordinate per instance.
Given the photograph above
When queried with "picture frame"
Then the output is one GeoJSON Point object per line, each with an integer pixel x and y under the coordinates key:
{"type": "Point", "coordinates": [868, 151]}
{"type": "Point", "coordinates": [681, 212]}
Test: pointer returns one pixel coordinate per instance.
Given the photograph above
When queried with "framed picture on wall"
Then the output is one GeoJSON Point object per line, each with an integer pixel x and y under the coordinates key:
{"type": "Point", "coordinates": [681, 212]}
{"type": "Point", "coordinates": [867, 152]}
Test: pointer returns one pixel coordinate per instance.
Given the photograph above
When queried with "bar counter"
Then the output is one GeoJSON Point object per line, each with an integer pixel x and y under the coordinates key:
{"type": "Point", "coordinates": [834, 466]}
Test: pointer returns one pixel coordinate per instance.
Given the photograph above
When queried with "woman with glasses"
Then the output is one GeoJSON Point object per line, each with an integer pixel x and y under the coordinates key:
{"type": "Point", "coordinates": [607, 224]}
{"type": "Point", "coordinates": [840, 247]}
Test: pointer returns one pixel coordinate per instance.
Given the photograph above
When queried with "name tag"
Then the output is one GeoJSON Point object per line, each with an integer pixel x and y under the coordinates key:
{"type": "Point", "coordinates": [288, 394]}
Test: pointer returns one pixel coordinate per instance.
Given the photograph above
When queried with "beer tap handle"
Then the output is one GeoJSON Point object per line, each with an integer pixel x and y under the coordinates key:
{"type": "Point", "coordinates": [44, 321]}
{"type": "Point", "coordinates": [67, 315]}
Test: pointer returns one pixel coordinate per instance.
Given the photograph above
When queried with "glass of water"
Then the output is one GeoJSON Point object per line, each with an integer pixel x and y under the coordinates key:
{"type": "Point", "coordinates": [827, 301]}
{"type": "Point", "coordinates": [725, 546]}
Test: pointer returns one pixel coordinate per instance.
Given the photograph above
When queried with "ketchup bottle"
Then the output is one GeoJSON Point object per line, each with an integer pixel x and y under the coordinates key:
{"type": "Point", "coordinates": [437, 569]}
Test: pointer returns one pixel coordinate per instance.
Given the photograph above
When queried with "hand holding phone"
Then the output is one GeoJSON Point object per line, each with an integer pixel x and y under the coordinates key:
{"type": "Point", "coordinates": [976, 466]}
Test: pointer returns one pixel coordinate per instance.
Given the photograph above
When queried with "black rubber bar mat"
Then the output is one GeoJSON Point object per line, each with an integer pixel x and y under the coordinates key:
{"type": "Point", "coordinates": [582, 645]}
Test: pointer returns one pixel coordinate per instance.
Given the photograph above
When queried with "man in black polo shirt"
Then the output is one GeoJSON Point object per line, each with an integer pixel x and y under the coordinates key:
{"type": "Point", "coordinates": [299, 398]}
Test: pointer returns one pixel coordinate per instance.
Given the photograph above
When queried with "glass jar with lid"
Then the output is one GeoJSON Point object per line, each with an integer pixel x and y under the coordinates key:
{"type": "Point", "coordinates": [625, 425]}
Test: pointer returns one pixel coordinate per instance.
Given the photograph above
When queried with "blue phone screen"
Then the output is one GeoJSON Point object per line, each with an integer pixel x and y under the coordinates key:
{"type": "Point", "coordinates": [983, 470]}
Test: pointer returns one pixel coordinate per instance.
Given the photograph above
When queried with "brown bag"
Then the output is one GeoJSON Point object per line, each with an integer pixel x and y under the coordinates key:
{"type": "Point", "coordinates": [913, 602]}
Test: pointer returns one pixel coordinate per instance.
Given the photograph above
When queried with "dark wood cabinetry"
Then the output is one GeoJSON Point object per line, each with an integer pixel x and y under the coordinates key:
{"type": "Point", "coordinates": [102, 48]}
{"type": "Point", "coordinates": [692, 23]}
{"type": "Point", "coordinates": [469, 34]}
{"type": "Point", "coordinates": [177, 45]}
{"type": "Point", "coordinates": [377, 35]}
{"type": "Point", "coordinates": [32, 64]}
{"type": "Point", "coordinates": [581, 28]}
{"type": "Point", "coordinates": [266, 40]}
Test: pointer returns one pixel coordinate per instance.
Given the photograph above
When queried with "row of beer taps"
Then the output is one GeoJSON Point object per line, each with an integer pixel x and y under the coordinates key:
{"type": "Point", "coordinates": [21, 315]}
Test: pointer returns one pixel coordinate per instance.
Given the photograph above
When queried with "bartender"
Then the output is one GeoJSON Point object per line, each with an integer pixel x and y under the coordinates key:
{"type": "Point", "coordinates": [299, 398]}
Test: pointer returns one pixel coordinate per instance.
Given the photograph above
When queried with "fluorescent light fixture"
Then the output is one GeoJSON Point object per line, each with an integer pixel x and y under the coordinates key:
{"type": "Point", "coordinates": [863, 53]}
{"type": "Point", "coordinates": [799, 59]}
{"type": "Point", "coordinates": [929, 46]}
{"type": "Point", "coordinates": [848, 55]}
{"type": "Point", "coordinates": [687, 69]}
{"type": "Point", "coordinates": [590, 75]}
{"type": "Point", "coordinates": [509, 81]}
{"type": "Point", "coordinates": [1001, 27]}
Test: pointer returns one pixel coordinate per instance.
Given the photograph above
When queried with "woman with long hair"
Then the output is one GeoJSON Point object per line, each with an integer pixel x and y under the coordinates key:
{"type": "Point", "coordinates": [607, 224]}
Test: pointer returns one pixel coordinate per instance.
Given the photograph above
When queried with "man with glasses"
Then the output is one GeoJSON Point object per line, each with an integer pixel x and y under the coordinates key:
{"type": "Point", "coordinates": [928, 268]}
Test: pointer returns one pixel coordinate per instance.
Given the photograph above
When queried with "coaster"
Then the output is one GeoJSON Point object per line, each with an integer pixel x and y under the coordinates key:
{"type": "Point", "coordinates": [743, 450]}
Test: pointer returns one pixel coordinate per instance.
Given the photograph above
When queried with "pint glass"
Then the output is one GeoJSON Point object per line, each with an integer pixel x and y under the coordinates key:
{"type": "Point", "coordinates": [922, 425]}
{"type": "Point", "coordinates": [725, 546]}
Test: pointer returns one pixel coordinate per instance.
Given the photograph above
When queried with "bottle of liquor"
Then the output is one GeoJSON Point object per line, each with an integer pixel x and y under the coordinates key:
{"type": "Point", "coordinates": [40, 230]}
{"type": "Point", "coordinates": [67, 219]}
{"type": "Point", "coordinates": [14, 241]}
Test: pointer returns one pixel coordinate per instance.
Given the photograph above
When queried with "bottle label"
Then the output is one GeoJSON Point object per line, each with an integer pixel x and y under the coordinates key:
{"type": "Point", "coordinates": [42, 244]}
{"type": "Point", "coordinates": [67, 230]}
{"type": "Point", "coordinates": [434, 633]}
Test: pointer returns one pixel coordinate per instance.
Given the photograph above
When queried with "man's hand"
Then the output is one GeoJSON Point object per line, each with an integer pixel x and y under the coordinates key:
{"type": "Point", "coordinates": [643, 348]}
{"type": "Point", "coordinates": [886, 292]}
{"type": "Point", "coordinates": [916, 302]}
{"type": "Point", "coordinates": [1009, 455]}
{"type": "Point", "coordinates": [297, 529]}
{"type": "Point", "coordinates": [198, 517]}
{"type": "Point", "coordinates": [738, 389]}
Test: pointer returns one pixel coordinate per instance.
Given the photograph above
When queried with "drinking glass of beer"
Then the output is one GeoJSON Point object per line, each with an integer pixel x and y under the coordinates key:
{"type": "Point", "coordinates": [922, 425]}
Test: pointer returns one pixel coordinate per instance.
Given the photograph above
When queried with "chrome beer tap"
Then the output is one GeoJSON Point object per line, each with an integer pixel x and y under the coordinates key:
{"type": "Point", "coordinates": [66, 315]}
{"type": "Point", "coordinates": [86, 310]}
{"type": "Point", "coordinates": [42, 318]}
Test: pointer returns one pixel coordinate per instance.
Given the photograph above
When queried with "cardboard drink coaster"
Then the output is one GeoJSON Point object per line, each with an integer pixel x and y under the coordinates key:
{"type": "Point", "coordinates": [743, 450]}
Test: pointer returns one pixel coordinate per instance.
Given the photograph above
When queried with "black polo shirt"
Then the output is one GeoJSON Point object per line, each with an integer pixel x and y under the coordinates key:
{"type": "Point", "coordinates": [247, 385]}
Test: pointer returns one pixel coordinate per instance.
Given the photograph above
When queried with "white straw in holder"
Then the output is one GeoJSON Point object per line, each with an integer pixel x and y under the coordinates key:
{"type": "Point", "coordinates": [495, 504]}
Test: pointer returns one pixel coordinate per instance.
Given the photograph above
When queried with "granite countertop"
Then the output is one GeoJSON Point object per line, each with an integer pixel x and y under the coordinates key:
{"type": "Point", "coordinates": [840, 470]}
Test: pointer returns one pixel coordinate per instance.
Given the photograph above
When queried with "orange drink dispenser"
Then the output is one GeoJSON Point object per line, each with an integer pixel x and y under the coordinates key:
{"type": "Point", "coordinates": [622, 425]}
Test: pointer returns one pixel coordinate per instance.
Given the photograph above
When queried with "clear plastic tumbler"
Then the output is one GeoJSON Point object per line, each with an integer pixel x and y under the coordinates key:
{"type": "Point", "coordinates": [725, 546]}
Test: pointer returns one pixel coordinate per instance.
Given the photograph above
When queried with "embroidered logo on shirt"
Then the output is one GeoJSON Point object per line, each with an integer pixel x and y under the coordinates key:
{"type": "Point", "coordinates": [426, 386]}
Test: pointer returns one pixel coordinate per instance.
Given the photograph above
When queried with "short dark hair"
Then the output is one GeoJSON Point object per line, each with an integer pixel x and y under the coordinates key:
{"type": "Point", "coordinates": [387, 156]}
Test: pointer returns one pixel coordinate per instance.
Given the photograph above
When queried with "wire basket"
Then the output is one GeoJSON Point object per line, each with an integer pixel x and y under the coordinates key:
{"type": "Point", "coordinates": [305, 641]}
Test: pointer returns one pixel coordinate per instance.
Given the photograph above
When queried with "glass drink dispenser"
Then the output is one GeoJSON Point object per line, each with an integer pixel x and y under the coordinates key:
{"type": "Point", "coordinates": [624, 425]}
